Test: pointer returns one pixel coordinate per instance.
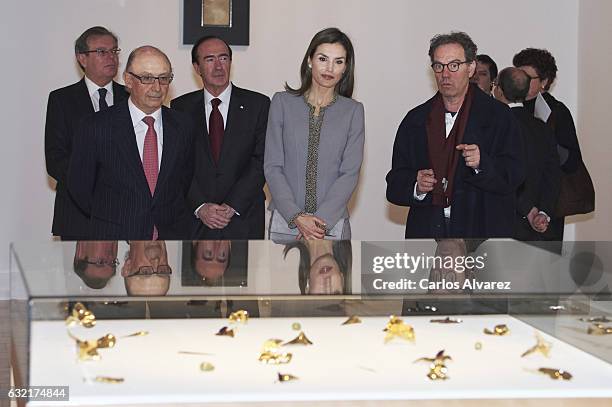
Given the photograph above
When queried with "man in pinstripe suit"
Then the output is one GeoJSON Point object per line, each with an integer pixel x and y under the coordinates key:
{"type": "Point", "coordinates": [133, 163]}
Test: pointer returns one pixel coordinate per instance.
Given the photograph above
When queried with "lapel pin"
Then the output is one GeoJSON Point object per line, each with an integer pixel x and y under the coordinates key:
{"type": "Point", "coordinates": [242, 107]}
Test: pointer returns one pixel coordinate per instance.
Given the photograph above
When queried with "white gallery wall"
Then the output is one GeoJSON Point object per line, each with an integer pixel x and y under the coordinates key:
{"type": "Point", "coordinates": [391, 40]}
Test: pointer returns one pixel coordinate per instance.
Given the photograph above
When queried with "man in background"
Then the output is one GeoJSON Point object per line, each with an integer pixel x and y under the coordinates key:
{"type": "Point", "coordinates": [537, 196]}
{"type": "Point", "coordinates": [97, 53]}
{"type": "Point", "coordinates": [486, 73]}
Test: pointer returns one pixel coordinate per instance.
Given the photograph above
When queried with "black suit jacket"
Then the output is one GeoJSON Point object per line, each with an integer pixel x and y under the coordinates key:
{"type": "Point", "coordinates": [107, 180]}
{"type": "Point", "coordinates": [483, 204]}
{"type": "Point", "coordinates": [238, 179]}
{"type": "Point", "coordinates": [543, 180]}
{"type": "Point", "coordinates": [65, 108]}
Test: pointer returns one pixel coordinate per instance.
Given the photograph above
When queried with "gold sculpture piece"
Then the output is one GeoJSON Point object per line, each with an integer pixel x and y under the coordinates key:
{"type": "Point", "coordinates": [437, 367]}
{"type": "Point", "coordinates": [478, 346]}
{"type": "Point", "coordinates": [284, 377]}
{"type": "Point", "coordinates": [239, 316]}
{"type": "Point", "coordinates": [353, 319]}
{"type": "Point", "coordinates": [556, 374]}
{"type": "Point", "coordinates": [88, 350]}
{"type": "Point", "coordinates": [599, 329]}
{"type": "Point", "coordinates": [447, 320]}
{"type": "Point", "coordinates": [541, 346]}
{"type": "Point", "coordinates": [270, 353]}
{"type": "Point", "coordinates": [498, 330]}
{"type": "Point", "coordinates": [111, 380]}
{"type": "Point", "coordinates": [206, 367]}
{"type": "Point", "coordinates": [301, 339]}
{"type": "Point", "coordinates": [139, 333]}
{"type": "Point", "coordinates": [296, 326]}
{"type": "Point", "coordinates": [225, 331]}
{"type": "Point", "coordinates": [82, 316]}
{"type": "Point", "coordinates": [396, 328]}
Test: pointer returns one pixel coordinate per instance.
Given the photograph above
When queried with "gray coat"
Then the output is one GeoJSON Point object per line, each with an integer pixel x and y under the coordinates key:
{"type": "Point", "coordinates": [340, 156]}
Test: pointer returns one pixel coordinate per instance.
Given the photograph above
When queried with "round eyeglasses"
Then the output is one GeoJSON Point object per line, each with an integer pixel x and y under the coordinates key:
{"type": "Point", "coordinates": [452, 66]}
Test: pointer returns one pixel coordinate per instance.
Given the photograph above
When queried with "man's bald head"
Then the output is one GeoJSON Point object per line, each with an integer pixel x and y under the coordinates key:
{"type": "Point", "coordinates": [514, 84]}
{"type": "Point", "coordinates": [145, 50]}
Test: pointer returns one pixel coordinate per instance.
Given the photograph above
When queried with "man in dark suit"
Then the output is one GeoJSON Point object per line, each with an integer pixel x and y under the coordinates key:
{"type": "Point", "coordinates": [132, 163]}
{"type": "Point", "coordinates": [226, 195]}
{"type": "Point", "coordinates": [537, 197]}
{"type": "Point", "coordinates": [457, 158]}
{"type": "Point", "coordinates": [98, 56]}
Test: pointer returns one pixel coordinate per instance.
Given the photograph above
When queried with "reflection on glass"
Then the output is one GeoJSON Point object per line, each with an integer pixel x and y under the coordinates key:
{"type": "Point", "coordinates": [215, 263]}
{"type": "Point", "coordinates": [324, 266]}
{"type": "Point", "coordinates": [95, 262]}
{"type": "Point", "coordinates": [146, 271]}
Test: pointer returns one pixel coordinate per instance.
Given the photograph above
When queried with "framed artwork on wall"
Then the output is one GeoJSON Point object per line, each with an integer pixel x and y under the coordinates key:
{"type": "Point", "coordinates": [228, 19]}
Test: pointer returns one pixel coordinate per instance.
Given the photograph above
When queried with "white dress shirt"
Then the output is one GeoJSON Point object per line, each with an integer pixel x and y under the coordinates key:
{"type": "Point", "coordinates": [140, 128]}
{"type": "Point", "coordinates": [92, 89]}
{"type": "Point", "coordinates": [223, 106]}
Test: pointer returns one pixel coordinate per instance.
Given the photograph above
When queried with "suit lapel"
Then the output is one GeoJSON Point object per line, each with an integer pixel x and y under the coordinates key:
{"type": "Point", "coordinates": [82, 100]}
{"type": "Point", "coordinates": [171, 138]}
{"type": "Point", "coordinates": [119, 93]}
{"type": "Point", "coordinates": [125, 139]}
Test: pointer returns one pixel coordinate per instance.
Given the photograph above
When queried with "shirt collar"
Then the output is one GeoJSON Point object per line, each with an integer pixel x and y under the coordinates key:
{"type": "Point", "coordinates": [517, 104]}
{"type": "Point", "coordinates": [93, 88]}
{"type": "Point", "coordinates": [137, 114]}
{"type": "Point", "coordinates": [224, 96]}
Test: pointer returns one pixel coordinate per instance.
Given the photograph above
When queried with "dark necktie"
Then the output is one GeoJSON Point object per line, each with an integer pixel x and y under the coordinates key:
{"type": "Point", "coordinates": [150, 159]}
{"type": "Point", "coordinates": [215, 129]}
{"type": "Point", "coordinates": [103, 104]}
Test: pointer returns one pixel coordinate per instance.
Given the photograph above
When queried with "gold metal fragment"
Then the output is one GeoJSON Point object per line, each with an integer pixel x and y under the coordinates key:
{"type": "Point", "coordinates": [296, 326]}
{"type": "Point", "coordinates": [447, 320]}
{"type": "Point", "coordinates": [206, 367]}
{"type": "Point", "coordinates": [437, 367]}
{"type": "Point", "coordinates": [239, 316]}
{"type": "Point", "coordinates": [396, 328]}
{"type": "Point", "coordinates": [541, 346]}
{"type": "Point", "coordinates": [353, 319]}
{"type": "Point", "coordinates": [498, 330]}
{"type": "Point", "coordinates": [80, 315]}
{"type": "Point", "coordinates": [301, 339]}
{"type": "Point", "coordinates": [225, 331]}
{"type": "Point", "coordinates": [284, 377]}
{"type": "Point", "coordinates": [111, 380]}
{"type": "Point", "coordinates": [556, 374]}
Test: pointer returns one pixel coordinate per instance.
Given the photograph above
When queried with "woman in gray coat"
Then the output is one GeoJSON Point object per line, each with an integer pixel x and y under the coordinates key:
{"type": "Point", "coordinates": [314, 144]}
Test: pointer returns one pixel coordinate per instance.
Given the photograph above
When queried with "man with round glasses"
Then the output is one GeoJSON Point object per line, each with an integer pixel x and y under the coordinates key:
{"type": "Point", "coordinates": [457, 158]}
{"type": "Point", "coordinates": [95, 262]}
{"type": "Point", "coordinates": [97, 54]}
{"type": "Point", "coordinates": [133, 163]}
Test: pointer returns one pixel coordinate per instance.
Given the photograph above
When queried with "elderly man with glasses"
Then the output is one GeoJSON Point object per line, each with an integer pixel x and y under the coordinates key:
{"type": "Point", "coordinates": [97, 54]}
{"type": "Point", "coordinates": [133, 163]}
{"type": "Point", "coordinates": [146, 271]}
{"type": "Point", "coordinates": [457, 158]}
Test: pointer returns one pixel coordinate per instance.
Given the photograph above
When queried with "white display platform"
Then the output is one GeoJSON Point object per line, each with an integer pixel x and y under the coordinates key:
{"type": "Point", "coordinates": [345, 363]}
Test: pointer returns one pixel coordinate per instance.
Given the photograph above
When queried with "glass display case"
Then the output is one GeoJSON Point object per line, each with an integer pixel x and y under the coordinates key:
{"type": "Point", "coordinates": [172, 323]}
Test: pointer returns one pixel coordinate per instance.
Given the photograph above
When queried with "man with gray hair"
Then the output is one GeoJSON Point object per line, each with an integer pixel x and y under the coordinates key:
{"type": "Point", "coordinates": [457, 158]}
{"type": "Point", "coordinates": [133, 163]}
{"type": "Point", "coordinates": [537, 196]}
{"type": "Point", "coordinates": [97, 54]}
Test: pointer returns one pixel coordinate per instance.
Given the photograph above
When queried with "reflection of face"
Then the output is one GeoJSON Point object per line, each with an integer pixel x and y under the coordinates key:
{"type": "Point", "coordinates": [325, 276]}
{"type": "Point", "coordinates": [146, 254]}
{"type": "Point", "coordinates": [104, 253]}
{"type": "Point", "coordinates": [535, 84]}
{"type": "Point", "coordinates": [211, 258]}
{"type": "Point", "coordinates": [482, 77]}
{"type": "Point", "coordinates": [452, 84]}
{"type": "Point", "coordinates": [213, 65]}
{"type": "Point", "coordinates": [328, 64]}
{"type": "Point", "coordinates": [148, 98]}
{"type": "Point", "coordinates": [100, 69]}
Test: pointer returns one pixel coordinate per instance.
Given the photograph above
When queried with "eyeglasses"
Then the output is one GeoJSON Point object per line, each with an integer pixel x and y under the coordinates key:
{"type": "Point", "coordinates": [102, 52]}
{"type": "Point", "coordinates": [102, 263]}
{"type": "Point", "coordinates": [453, 66]}
{"type": "Point", "coordinates": [149, 79]}
{"type": "Point", "coordinates": [162, 269]}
